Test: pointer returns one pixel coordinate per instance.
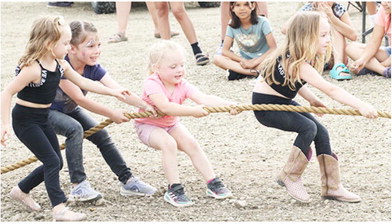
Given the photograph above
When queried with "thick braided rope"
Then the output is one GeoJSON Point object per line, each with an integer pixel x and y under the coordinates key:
{"type": "Point", "coordinates": [258, 107]}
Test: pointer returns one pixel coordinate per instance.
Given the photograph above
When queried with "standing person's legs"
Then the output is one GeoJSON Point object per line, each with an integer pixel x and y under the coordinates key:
{"type": "Point", "coordinates": [106, 146]}
{"type": "Point", "coordinates": [67, 126]}
{"type": "Point", "coordinates": [178, 9]}
{"type": "Point", "coordinates": [122, 12]}
{"type": "Point", "coordinates": [131, 185]}
{"type": "Point", "coordinates": [153, 13]}
{"type": "Point", "coordinates": [162, 11]}
{"type": "Point", "coordinates": [33, 130]}
{"type": "Point", "coordinates": [225, 17]}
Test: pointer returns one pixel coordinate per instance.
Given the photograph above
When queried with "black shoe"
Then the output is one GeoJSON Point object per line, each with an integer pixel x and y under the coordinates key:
{"type": "Point", "coordinates": [60, 4]}
{"type": "Point", "coordinates": [235, 75]}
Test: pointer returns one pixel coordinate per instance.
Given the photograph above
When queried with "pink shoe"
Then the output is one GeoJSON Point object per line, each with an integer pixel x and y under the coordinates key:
{"type": "Point", "coordinates": [18, 195]}
{"type": "Point", "coordinates": [68, 215]}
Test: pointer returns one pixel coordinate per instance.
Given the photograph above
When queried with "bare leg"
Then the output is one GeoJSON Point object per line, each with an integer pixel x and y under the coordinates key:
{"type": "Point", "coordinates": [160, 139]}
{"type": "Point", "coordinates": [178, 10]}
{"type": "Point", "coordinates": [339, 44]}
{"type": "Point", "coordinates": [122, 12]}
{"type": "Point", "coordinates": [162, 9]}
{"type": "Point", "coordinates": [226, 63]}
{"type": "Point", "coordinates": [187, 143]}
{"type": "Point", "coordinates": [262, 9]}
{"type": "Point", "coordinates": [153, 13]}
{"type": "Point", "coordinates": [355, 50]}
{"type": "Point", "coordinates": [225, 17]}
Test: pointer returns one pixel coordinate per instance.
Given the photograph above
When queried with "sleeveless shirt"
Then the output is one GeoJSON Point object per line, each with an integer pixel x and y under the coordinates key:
{"type": "Point", "coordinates": [44, 91]}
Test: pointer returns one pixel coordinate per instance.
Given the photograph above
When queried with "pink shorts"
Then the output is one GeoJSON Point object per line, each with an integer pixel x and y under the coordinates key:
{"type": "Point", "coordinates": [144, 131]}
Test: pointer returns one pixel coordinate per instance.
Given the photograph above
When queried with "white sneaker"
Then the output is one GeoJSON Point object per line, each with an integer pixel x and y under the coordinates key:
{"type": "Point", "coordinates": [136, 187]}
{"type": "Point", "coordinates": [83, 192]}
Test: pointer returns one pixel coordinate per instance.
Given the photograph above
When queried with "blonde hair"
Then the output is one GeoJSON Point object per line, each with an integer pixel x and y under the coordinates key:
{"type": "Point", "coordinates": [161, 49]}
{"type": "Point", "coordinates": [302, 44]}
{"type": "Point", "coordinates": [44, 35]}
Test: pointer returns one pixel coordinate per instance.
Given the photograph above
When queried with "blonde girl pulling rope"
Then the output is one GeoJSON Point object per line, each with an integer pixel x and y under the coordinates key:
{"type": "Point", "coordinates": [284, 75]}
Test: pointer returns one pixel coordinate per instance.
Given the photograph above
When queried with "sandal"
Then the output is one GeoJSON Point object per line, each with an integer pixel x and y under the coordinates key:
{"type": "Point", "coordinates": [335, 74]}
{"type": "Point", "coordinates": [201, 59]}
{"type": "Point", "coordinates": [172, 34]}
{"type": "Point", "coordinates": [118, 37]}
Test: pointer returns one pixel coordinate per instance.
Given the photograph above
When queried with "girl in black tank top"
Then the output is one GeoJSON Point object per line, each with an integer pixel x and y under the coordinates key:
{"type": "Point", "coordinates": [284, 76]}
{"type": "Point", "coordinates": [48, 43]}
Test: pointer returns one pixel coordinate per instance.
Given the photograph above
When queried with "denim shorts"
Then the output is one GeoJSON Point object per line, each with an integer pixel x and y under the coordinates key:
{"type": "Point", "coordinates": [144, 131]}
{"type": "Point", "coordinates": [388, 50]}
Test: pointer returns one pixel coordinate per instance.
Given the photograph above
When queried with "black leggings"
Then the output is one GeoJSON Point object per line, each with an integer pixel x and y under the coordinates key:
{"type": "Point", "coordinates": [32, 128]}
{"type": "Point", "coordinates": [307, 127]}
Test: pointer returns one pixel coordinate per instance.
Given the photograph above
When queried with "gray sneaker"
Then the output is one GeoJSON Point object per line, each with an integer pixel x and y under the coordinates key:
{"type": "Point", "coordinates": [217, 189]}
{"type": "Point", "coordinates": [84, 192]}
{"type": "Point", "coordinates": [176, 196]}
{"type": "Point", "coordinates": [136, 187]}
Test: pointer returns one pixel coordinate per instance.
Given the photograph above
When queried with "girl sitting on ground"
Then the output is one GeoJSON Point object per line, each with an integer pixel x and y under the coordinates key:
{"type": "Point", "coordinates": [372, 58]}
{"type": "Point", "coordinates": [254, 38]}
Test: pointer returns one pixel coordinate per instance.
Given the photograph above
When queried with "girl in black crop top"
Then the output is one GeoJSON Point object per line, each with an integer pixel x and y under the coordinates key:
{"type": "Point", "coordinates": [38, 75]}
{"type": "Point", "coordinates": [284, 75]}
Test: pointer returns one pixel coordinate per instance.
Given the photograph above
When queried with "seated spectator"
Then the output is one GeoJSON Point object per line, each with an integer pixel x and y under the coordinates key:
{"type": "Point", "coordinates": [372, 58]}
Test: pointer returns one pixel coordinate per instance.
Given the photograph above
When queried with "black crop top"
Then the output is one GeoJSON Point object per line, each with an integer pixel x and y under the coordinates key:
{"type": "Point", "coordinates": [45, 91]}
{"type": "Point", "coordinates": [280, 76]}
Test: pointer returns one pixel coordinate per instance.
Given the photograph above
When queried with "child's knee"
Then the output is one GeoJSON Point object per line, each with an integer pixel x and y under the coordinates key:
{"type": "Point", "coordinates": [169, 146]}
{"type": "Point", "coordinates": [310, 130]}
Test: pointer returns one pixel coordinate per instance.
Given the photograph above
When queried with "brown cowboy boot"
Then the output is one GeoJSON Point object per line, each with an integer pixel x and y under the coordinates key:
{"type": "Point", "coordinates": [290, 177]}
{"type": "Point", "coordinates": [331, 187]}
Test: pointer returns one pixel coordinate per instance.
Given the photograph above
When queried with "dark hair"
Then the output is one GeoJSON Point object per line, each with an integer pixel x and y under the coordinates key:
{"type": "Point", "coordinates": [235, 21]}
{"type": "Point", "coordinates": [79, 30]}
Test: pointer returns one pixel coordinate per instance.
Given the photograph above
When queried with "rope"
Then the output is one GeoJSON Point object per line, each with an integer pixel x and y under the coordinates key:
{"type": "Point", "coordinates": [256, 107]}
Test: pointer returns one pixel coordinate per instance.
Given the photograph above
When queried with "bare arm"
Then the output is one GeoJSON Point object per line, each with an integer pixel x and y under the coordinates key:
{"type": "Point", "coordinates": [342, 25]}
{"type": "Point", "coordinates": [77, 95]}
{"type": "Point", "coordinates": [130, 99]}
{"type": "Point", "coordinates": [311, 76]}
{"type": "Point", "coordinates": [209, 100]}
{"type": "Point", "coordinates": [371, 48]}
{"type": "Point", "coordinates": [90, 85]}
{"type": "Point", "coordinates": [27, 74]}
{"type": "Point", "coordinates": [174, 109]}
{"type": "Point", "coordinates": [227, 43]}
{"type": "Point", "coordinates": [310, 97]}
